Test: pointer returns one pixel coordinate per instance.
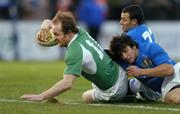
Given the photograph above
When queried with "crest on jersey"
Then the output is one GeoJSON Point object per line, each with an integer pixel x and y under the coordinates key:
{"type": "Point", "coordinates": [146, 63]}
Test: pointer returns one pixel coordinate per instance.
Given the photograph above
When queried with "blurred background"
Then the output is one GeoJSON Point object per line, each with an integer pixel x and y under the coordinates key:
{"type": "Point", "coordinates": [21, 19]}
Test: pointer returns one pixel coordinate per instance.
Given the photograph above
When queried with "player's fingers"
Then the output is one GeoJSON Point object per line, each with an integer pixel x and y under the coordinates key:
{"type": "Point", "coordinates": [45, 35]}
{"type": "Point", "coordinates": [129, 72]}
{"type": "Point", "coordinates": [30, 97]}
{"type": "Point", "coordinates": [26, 96]}
{"type": "Point", "coordinates": [39, 35]}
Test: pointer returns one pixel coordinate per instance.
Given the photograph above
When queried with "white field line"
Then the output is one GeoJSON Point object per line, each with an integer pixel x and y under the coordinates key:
{"type": "Point", "coordinates": [99, 105]}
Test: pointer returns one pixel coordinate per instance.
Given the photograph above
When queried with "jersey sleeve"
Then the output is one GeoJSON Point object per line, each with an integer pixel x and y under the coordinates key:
{"type": "Point", "coordinates": [73, 61]}
{"type": "Point", "coordinates": [159, 56]}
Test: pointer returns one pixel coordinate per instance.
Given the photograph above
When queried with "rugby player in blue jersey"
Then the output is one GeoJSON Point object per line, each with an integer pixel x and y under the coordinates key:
{"type": "Point", "coordinates": [132, 24]}
{"type": "Point", "coordinates": [149, 61]}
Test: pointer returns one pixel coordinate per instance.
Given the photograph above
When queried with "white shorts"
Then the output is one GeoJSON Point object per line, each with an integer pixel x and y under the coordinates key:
{"type": "Point", "coordinates": [171, 81]}
{"type": "Point", "coordinates": [116, 92]}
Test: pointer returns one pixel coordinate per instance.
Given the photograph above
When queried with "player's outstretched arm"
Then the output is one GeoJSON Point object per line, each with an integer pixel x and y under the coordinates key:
{"type": "Point", "coordinates": [55, 90]}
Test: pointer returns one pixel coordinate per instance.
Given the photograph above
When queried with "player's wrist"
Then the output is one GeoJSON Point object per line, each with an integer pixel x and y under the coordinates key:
{"type": "Point", "coordinates": [42, 97]}
{"type": "Point", "coordinates": [145, 72]}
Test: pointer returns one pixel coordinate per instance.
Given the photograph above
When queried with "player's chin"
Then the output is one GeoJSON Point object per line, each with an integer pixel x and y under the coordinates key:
{"type": "Point", "coordinates": [124, 29]}
{"type": "Point", "coordinates": [47, 44]}
{"type": "Point", "coordinates": [62, 45]}
{"type": "Point", "coordinates": [130, 61]}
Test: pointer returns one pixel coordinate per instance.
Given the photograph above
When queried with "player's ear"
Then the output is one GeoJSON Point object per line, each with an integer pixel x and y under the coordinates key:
{"type": "Point", "coordinates": [134, 21]}
{"type": "Point", "coordinates": [134, 47]}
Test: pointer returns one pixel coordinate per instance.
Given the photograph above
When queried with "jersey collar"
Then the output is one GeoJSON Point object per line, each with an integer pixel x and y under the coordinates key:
{"type": "Point", "coordinates": [75, 36]}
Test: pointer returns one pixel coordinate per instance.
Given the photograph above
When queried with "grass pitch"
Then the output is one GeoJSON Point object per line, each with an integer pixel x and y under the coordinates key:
{"type": "Point", "coordinates": [17, 78]}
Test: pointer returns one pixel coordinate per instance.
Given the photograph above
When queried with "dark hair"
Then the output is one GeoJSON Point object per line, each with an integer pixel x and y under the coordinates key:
{"type": "Point", "coordinates": [135, 12]}
{"type": "Point", "coordinates": [119, 43]}
{"type": "Point", "coordinates": [67, 21]}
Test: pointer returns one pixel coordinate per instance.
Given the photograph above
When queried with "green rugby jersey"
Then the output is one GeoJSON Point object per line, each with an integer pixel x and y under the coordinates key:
{"type": "Point", "coordinates": [85, 57]}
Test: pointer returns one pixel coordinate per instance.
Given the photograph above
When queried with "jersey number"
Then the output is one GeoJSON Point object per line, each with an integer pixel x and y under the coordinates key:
{"type": "Point", "coordinates": [147, 35]}
{"type": "Point", "coordinates": [95, 48]}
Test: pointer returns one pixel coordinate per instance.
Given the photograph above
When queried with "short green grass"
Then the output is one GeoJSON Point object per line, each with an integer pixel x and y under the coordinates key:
{"type": "Point", "coordinates": [17, 78]}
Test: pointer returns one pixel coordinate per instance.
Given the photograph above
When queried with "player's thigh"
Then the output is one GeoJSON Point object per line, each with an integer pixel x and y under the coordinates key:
{"type": "Point", "coordinates": [173, 96]}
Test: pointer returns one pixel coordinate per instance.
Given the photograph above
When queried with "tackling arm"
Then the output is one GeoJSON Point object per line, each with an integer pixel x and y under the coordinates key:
{"type": "Point", "coordinates": [159, 71]}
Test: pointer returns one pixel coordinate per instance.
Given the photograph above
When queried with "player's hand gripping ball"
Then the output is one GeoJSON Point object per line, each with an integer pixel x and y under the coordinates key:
{"type": "Point", "coordinates": [45, 38]}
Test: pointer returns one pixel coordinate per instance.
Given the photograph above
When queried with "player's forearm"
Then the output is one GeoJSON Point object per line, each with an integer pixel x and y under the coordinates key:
{"type": "Point", "coordinates": [57, 89]}
{"type": "Point", "coordinates": [159, 71]}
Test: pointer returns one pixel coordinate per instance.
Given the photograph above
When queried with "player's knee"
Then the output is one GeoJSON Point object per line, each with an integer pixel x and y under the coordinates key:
{"type": "Point", "coordinates": [172, 99]}
{"type": "Point", "coordinates": [134, 85]}
{"type": "Point", "coordinates": [87, 97]}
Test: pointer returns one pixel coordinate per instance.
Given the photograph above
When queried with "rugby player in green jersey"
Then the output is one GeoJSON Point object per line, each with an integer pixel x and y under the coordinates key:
{"type": "Point", "coordinates": [84, 57]}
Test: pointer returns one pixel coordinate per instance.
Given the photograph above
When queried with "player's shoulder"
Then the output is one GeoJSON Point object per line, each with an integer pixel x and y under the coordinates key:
{"type": "Point", "coordinates": [141, 28]}
{"type": "Point", "coordinates": [154, 49]}
{"type": "Point", "coordinates": [143, 25]}
{"type": "Point", "coordinates": [150, 46]}
{"type": "Point", "coordinates": [137, 29]}
{"type": "Point", "coordinates": [155, 46]}
{"type": "Point", "coordinates": [74, 47]}
{"type": "Point", "coordinates": [82, 31]}
{"type": "Point", "coordinates": [147, 47]}
{"type": "Point", "coordinates": [74, 52]}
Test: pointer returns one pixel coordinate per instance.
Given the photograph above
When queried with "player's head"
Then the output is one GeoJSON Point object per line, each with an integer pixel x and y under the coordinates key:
{"type": "Point", "coordinates": [124, 47]}
{"type": "Point", "coordinates": [131, 16]}
{"type": "Point", "coordinates": [64, 25]}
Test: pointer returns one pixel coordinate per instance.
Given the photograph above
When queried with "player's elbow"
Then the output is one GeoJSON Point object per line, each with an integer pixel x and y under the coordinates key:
{"type": "Point", "coordinates": [68, 85]}
{"type": "Point", "coordinates": [169, 70]}
{"type": "Point", "coordinates": [68, 81]}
